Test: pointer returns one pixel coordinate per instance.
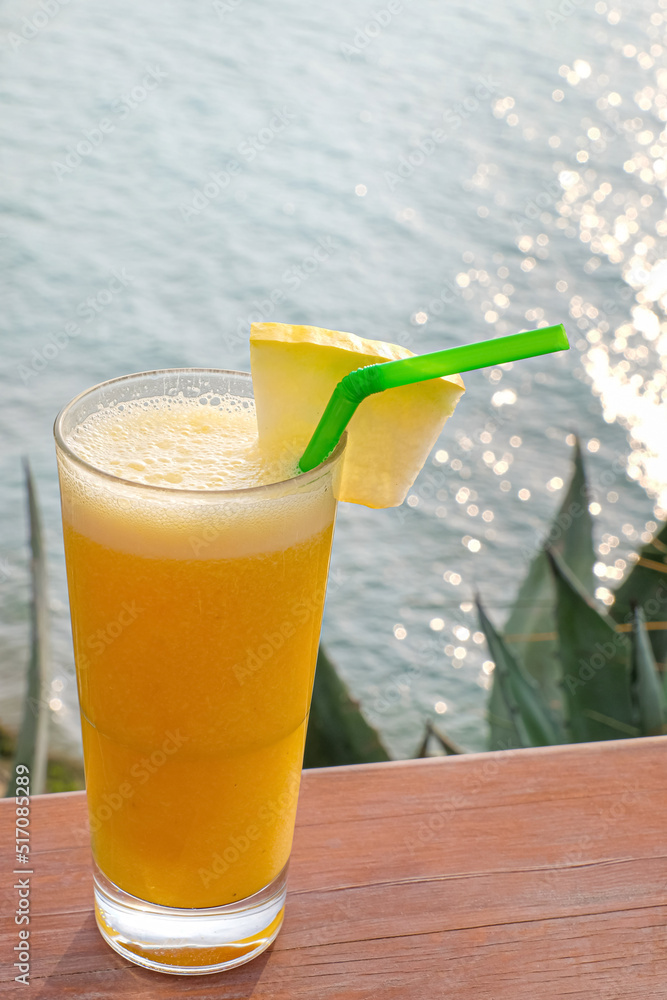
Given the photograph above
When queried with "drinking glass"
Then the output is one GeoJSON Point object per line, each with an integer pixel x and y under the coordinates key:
{"type": "Point", "coordinates": [196, 616]}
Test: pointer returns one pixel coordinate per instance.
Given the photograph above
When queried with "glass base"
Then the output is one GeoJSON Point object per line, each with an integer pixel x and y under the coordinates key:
{"type": "Point", "coordinates": [191, 942]}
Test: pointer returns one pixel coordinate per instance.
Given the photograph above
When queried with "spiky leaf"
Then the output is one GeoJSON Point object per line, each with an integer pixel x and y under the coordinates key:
{"type": "Point", "coordinates": [448, 745]}
{"type": "Point", "coordinates": [531, 721]}
{"type": "Point", "coordinates": [32, 741]}
{"type": "Point", "coordinates": [422, 750]}
{"type": "Point", "coordinates": [646, 687]}
{"type": "Point", "coordinates": [596, 663]}
{"type": "Point", "coordinates": [646, 585]}
{"type": "Point", "coordinates": [530, 632]}
{"type": "Point", "coordinates": [430, 732]}
{"type": "Point", "coordinates": [337, 731]}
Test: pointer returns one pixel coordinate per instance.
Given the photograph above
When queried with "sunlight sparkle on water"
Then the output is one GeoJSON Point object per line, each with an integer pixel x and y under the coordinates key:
{"type": "Point", "coordinates": [624, 347]}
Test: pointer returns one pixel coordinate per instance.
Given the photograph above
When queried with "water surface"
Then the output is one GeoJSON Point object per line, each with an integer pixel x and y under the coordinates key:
{"type": "Point", "coordinates": [468, 170]}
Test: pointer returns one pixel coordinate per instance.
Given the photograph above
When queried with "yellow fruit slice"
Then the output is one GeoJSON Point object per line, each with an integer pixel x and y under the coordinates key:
{"type": "Point", "coordinates": [294, 371]}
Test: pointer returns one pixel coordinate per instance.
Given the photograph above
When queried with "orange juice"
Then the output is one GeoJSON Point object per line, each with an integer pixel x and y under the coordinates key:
{"type": "Point", "coordinates": [196, 593]}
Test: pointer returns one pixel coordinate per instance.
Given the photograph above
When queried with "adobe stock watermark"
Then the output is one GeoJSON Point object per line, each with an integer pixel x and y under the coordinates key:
{"type": "Point", "coordinates": [589, 492]}
{"type": "Point", "coordinates": [367, 33]}
{"type": "Point", "coordinates": [248, 149]}
{"type": "Point", "coordinates": [433, 480]}
{"type": "Point", "coordinates": [103, 637]}
{"type": "Point", "coordinates": [88, 309]}
{"type": "Point", "coordinates": [301, 613]}
{"type": "Point", "coordinates": [33, 24]}
{"type": "Point", "coordinates": [604, 822]}
{"type": "Point", "coordinates": [22, 885]}
{"type": "Point", "coordinates": [618, 642]}
{"type": "Point", "coordinates": [552, 191]}
{"type": "Point", "coordinates": [445, 810]}
{"type": "Point", "coordinates": [223, 7]}
{"type": "Point", "coordinates": [428, 656]}
{"type": "Point", "coordinates": [587, 669]}
{"type": "Point", "coordinates": [290, 281]}
{"type": "Point", "coordinates": [557, 15]}
{"type": "Point", "coordinates": [436, 306]}
{"type": "Point", "coordinates": [453, 118]}
{"type": "Point", "coordinates": [95, 136]}
{"type": "Point", "coordinates": [430, 481]}
{"type": "Point", "coordinates": [610, 309]}
{"type": "Point", "coordinates": [112, 800]}
{"type": "Point", "coordinates": [391, 693]}
{"type": "Point", "coordinates": [271, 812]}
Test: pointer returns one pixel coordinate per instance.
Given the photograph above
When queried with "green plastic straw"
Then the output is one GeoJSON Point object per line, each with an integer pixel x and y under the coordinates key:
{"type": "Point", "coordinates": [353, 388]}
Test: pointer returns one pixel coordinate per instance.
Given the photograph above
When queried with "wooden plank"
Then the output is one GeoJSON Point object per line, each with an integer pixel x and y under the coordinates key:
{"type": "Point", "coordinates": [530, 874]}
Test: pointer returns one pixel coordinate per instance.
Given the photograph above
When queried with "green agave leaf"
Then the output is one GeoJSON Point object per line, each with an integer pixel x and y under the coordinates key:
{"type": "Point", "coordinates": [531, 722]}
{"type": "Point", "coordinates": [32, 741]}
{"type": "Point", "coordinates": [449, 746]}
{"type": "Point", "coordinates": [571, 534]}
{"type": "Point", "coordinates": [337, 731]}
{"type": "Point", "coordinates": [646, 585]}
{"type": "Point", "coordinates": [647, 690]}
{"type": "Point", "coordinates": [595, 662]}
{"type": "Point", "coordinates": [530, 632]}
{"type": "Point", "coordinates": [423, 746]}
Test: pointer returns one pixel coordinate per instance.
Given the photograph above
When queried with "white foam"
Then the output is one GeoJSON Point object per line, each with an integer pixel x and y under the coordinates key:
{"type": "Point", "coordinates": [207, 443]}
{"type": "Point", "coordinates": [196, 451]}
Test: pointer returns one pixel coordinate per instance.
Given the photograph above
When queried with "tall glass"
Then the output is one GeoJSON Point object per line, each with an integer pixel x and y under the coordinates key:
{"type": "Point", "coordinates": [196, 617]}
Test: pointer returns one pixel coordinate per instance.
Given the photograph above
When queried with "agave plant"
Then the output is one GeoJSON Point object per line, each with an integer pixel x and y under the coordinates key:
{"type": "Point", "coordinates": [56, 772]}
{"type": "Point", "coordinates": [567, 670]}
{"type": "Point", "coordinates": [338, 733]}
{"type": "Point", "coordinates": [32, 741]}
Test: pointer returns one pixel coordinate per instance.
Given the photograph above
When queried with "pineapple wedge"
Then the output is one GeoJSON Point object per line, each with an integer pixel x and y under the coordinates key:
{"type": "Point", "coordinates": [294, 371]}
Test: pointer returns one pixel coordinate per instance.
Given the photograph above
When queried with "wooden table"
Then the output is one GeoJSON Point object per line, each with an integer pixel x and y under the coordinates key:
{"type": "Point", "coordinates": [526, 874]}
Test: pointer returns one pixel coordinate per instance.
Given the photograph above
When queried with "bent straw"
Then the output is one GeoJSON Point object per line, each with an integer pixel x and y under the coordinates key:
{"type": "Point", "coordinates": [355, 386]}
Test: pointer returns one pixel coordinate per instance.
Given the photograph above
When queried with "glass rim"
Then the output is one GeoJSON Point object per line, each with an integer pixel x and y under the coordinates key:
{"type": "Point", "coordinates": [175, 491]}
